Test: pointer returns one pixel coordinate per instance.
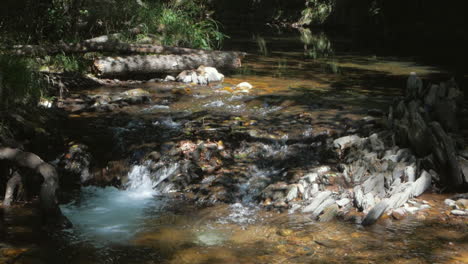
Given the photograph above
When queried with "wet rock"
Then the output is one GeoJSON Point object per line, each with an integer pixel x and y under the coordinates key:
{"type": "Point", "coordinates": [421, 184]}
{"type": "Point", "coordinates": [317, 201]}
{"type": "Point", "coordinates": [399, 213]}
{"type": "Point", "coordinates": [329, 213]}
{"type": "Point", "coordinates": [294, 208]}
{"type": "Point", "coordinates": [74, 165]}
{"type": "Point", "coordinates": [328, 202]}
{"type": "Point", "coordinates": [375, 213]}
{"type": "Point", "coordinates": [136, 92]}
{"type": "Point", "coordinates": [244, 85]}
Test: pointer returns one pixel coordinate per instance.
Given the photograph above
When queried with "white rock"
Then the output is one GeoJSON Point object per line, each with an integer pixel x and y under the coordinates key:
{"type": "Point", "coordinates": [293, 193]}
{"type": "Point", "coordinates": [169, 78]}
{"type": "Point", "coordinates": [425, 206]}
{"type": "Point", "coordinates": [310, 177]}
{"type": "Point", "coordinates": [450, 202]}
{"type": "Point", "coordinates": [244, 85]}
{"type": "Point", "coordinates": [422, 184]}
{"type": "Point", "coordinates": [347, 141]}
{"type": "Point", "coordinates": [459, 212]}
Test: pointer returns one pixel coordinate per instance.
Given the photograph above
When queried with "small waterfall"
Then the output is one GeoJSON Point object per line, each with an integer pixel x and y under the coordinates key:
{"type": "Point", "coordinates": [103, 215]}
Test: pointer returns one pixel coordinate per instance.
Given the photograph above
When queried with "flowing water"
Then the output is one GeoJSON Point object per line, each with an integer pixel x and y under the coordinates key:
{"type": "Point", "coordinates": [303, 85]}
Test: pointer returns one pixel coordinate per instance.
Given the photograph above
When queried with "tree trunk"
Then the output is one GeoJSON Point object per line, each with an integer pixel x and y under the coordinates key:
{"type": "Point", "coordinates": [48, 200]}
{"type": "Point", "coordinates": [112, 66]}
{"type": "Point", "coordinates": [13, 182]}
{"type": "Point", "coordinates": [100, 44]}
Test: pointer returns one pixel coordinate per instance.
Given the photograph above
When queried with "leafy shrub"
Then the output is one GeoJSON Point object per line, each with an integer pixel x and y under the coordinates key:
{"type": "Point", "coordinates": [19, 82]}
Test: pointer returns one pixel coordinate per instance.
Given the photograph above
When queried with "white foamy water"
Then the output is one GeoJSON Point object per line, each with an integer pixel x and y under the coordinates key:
{"type": "Point", "coordinates": [111, 215]}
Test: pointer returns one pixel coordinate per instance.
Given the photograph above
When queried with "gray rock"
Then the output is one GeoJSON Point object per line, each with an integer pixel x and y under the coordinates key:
{"type": "Point", "coordinates": [310, 177]}
{"type": "Point", "coordinates": [400, 195]}
{"type": "Point", "coordinates": [375, 213]}
{"type": "Point", "coordinates": [419, 134]}
{"type": "Point", "coordinates": [343, 202]}
{"type": "Point", "coordinates": [300, 188]}
{"type": "Point", "coordinates": [375, 184]}
{"type": "Point", "coordinates": [294, 208]}
{"type": "Point", "coordinates": [328, 202]}
{"type": "Point", "coordinates": [414, 86]}
{"type": "Point", "coordinates": [432, 95]}
{"type": "Point", "coordinates": [368, 202]}
{"type": "Point", "coordinates": [445, 112]}
{"type": "Point", "coordinates": [403, 155]}
{"type": "Point", "coordinates": [376, 143]}
{"type": "Point", "coordinates": [410, 173]}
{"type": "Point", "coordinates": [347, 141]}
{"type": "Point", "coordinates": [317, 201]}
{"type": "Point", "coordinates": [358, 198]}
{"type": "Point", "coordinates": [292, 193]}
{"type": "Point", "coordinates": [421, 184]}
{"type": "Point", "coordinates": [329, 213]}
{"type": "Point", "coordinates": [464, 153]}
{"type": "Point", "coordinates": [463, 163]}
{"type": "Point", "coordinates": [444, 152]}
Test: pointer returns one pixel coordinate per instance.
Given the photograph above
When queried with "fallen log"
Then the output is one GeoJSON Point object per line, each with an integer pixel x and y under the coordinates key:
{"type": "Point", "coordinates": [150, 64]}
{"type": "Point", "coordinates": [107, 46]}
{"type": "Point", "coordinates": [48, 200]}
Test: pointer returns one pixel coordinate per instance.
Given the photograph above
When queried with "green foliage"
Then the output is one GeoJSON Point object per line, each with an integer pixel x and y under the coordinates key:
{"type": "Point", "coordinates": [65, 63]}
{"type": "Point", "coordinates": [317, 12]}
{"type": "Point", "coordinates": [176, 22]}
{"type": "Point", "coordinates": [316, 45]}
{"type": "Point", "coordinates": [180, 25]}
{"type": "Point", "coordinates": [19, 81]}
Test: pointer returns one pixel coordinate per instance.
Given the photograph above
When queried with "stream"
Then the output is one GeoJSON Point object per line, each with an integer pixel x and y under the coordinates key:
{"type": "Point", "coordinates": [305, 86]}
